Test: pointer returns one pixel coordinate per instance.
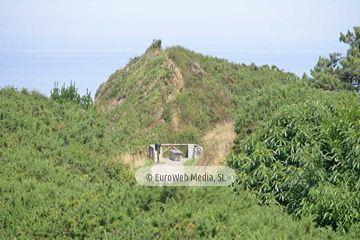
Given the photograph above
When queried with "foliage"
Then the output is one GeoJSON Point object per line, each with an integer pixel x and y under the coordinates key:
{"type": "Point", "coordinates": [156, 44]}
{"type": "Point", "coordinates": [60, 178]}
{"type": "Point", "coordinates": [258, 106]}
{"type": "Point", "coordinates": [298, 146]}
{"type": "Point", "coordinates": [306, 158]}
{"type": "Point", "coordinates": [167, 113]}
{"type": "Point", "coordinates": [336, 72]}
{"type": "Point", "coordinates": [70, 94]}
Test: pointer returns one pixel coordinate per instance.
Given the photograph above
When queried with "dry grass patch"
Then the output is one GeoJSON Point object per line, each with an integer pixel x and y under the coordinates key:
{"type": "Point", "coordinates": [217, 144]}
{"type": "Point", "coordinates": [134, 161]}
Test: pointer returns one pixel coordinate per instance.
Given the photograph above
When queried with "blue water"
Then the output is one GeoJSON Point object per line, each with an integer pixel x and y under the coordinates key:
{"type": "Point", "coordinates": [38, 62]}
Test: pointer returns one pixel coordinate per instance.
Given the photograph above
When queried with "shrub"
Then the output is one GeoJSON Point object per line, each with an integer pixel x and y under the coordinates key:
{"type": "Point", "coordinates": [70, 94]}
{"type": "Point", "coordinates": [306, 153]}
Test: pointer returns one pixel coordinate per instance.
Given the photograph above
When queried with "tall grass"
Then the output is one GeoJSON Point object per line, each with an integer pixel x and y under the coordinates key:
{"type": "Point", "coordinates": [217, 144]}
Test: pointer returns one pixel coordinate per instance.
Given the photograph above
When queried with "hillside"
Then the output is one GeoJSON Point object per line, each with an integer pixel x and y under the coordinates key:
{"type": "Point", "coordinates": [190, 93]}
{"type": "Point", "coordinates": [60, 178]}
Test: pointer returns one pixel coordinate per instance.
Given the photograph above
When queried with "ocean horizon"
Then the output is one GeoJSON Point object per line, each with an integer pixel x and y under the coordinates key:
{"type": "Point", "coordinates": [37, 62]}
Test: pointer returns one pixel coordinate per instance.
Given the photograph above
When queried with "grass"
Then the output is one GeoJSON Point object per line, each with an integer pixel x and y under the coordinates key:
{"type": "Point", "coordinates": [190, 162]}
{"type": "Point", "coordinates": [135, 161]}
{"type": "Point", "coordinates": [217, 144]}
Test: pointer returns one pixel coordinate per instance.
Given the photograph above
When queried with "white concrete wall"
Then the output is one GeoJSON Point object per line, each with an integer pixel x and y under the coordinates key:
{"type": "Point", "coordinates": [190, 150]}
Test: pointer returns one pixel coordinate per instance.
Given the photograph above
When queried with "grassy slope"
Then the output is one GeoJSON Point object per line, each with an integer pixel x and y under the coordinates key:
{"type": "Point", "coordinates": [191, 92]}
{"type": "Point", "coordinates": [60, 178]}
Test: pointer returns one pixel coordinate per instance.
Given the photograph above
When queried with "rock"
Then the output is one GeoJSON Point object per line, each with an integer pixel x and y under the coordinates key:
{"type": "Point", "coordinates": [197, 70]}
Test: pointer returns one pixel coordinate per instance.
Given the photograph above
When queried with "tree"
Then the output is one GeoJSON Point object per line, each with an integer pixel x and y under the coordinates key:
{"type": "Point", "coordinates": [70, 94]}
{"type": "Point", "coordinates": [337, 72]}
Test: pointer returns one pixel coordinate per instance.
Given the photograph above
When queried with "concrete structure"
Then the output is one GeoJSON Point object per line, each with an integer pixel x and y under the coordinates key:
{"type": "Point", "coordinates": [175, 155]}
{"type": "Point", "coordinates": [192, 151]}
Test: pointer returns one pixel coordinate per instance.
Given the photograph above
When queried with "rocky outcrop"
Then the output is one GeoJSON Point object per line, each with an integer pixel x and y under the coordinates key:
{"type": "Point", "coordinates": [196, 69]}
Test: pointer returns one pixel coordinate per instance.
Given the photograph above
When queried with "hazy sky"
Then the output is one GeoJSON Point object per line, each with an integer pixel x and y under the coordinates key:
{"type": "Point", "coordinates": [228, 18]}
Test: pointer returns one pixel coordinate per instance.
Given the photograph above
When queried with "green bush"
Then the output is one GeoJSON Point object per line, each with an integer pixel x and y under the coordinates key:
{"type": "Point", "coordinates": [305, 153]}
{"type": "Point", "coordinates": [70, 94]}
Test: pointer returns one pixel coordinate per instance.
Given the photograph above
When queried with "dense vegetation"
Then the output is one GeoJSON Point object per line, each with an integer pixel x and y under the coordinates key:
{"type": "Point", "coordinates": [60, 178]}
{"type": "Point", "coordinates": [296, 152]}
{"type": "Point", "coordinates": [307, 157]}
{"type": "Point", "coordinates": [70, 94]}
{"type": "Point", "coordinates": [305, 154]}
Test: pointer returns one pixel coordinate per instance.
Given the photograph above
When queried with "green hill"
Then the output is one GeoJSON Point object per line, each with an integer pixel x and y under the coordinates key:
{"type": "Point", "coordinates": [60, 178]}
{"type": "Point", "coordinates": [196, 94]}
{"type": "Point", "coordinates": [189, 92]}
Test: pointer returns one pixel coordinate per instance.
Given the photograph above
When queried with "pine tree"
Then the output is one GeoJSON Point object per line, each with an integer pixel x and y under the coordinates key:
{"type": "Point", "coordinates": [337, 72]}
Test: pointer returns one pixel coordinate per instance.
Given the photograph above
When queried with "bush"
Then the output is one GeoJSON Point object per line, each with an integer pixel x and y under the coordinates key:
{"type": "Point", "coordinates": [70, 94]}
{"type": "Point", "coordinates": [306, 153]}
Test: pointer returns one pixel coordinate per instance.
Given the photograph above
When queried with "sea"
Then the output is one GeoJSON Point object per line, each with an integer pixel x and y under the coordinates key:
{"type": "Point", "coordinates": [38, 62]}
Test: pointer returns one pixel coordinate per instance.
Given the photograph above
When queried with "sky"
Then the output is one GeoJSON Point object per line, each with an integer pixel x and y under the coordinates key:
{"type": "Point", "coordinates": [186, 18]}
